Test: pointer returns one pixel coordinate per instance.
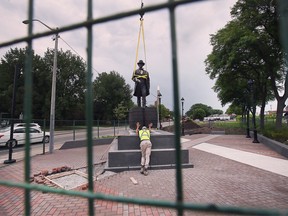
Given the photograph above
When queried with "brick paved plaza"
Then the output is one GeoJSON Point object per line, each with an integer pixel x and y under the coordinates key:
{"type": "Point", "coordinates": [214, 179]}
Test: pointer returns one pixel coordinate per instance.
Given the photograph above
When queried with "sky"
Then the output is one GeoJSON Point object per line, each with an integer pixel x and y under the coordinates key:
{"type": "Point", "coordinates": [114, 43]}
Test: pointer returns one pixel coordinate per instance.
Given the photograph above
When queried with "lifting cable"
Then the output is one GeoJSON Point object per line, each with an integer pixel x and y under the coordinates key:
{"type": "Point", "coordinates": [141, 33]}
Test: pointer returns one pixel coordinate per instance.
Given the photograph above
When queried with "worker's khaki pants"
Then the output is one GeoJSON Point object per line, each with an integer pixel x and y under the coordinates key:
{"type": "Point", "coordinates": [145, 147]}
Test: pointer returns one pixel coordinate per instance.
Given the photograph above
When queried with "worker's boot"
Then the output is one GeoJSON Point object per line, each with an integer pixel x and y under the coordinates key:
{"type": "Point", "coordinates": [142, 170]}
{"type": "Point", "coordinates": [145, 172]}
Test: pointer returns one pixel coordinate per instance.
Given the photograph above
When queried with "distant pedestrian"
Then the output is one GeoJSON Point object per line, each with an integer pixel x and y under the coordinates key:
{"type": "Point", "coordinates": [145, 146]}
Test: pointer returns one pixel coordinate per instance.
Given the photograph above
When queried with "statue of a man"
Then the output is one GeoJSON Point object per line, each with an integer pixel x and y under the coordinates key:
{"type": "Point", "coordinates": [142, 84]}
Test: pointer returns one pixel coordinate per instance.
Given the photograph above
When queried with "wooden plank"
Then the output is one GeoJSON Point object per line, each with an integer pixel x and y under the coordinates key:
{"type": "Point", "coordinates": [133, 180]}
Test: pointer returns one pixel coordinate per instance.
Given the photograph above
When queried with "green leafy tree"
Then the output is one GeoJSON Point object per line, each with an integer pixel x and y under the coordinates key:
{"type": "Point", "coordinates": [247, 48]}
{"type": "Point", "coordinates": [42, 82]}
{"type": "Point", "coordinates": [120, 112]}
{"type": "Point", "coordinates": [207, 109]}
{"type": "Point", "coordinates": [70, 84]}
{"type": "Point", "coordinates": [110, 90]}
{"type": "Point", "coordinates": [261, 17]}
{"type": "Point", "coordinates": [7, 68]}
{"type": "Point", "coordinates": [217, 111]}
{"type": "Point", "coordinates": [198, 113]}
{"type": "Point", "coordinates": [234, 109]}
{"type": "Point", "coordinates": [14, 60]}
{"type": "Point", "coordinates": [165, 112]}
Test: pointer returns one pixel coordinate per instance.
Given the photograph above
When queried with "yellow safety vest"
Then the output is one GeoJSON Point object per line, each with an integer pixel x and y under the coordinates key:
{"type": "Point", "coordinates": [144, 135]}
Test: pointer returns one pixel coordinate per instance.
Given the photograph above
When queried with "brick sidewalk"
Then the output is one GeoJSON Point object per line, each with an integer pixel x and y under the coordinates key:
{"type": "Point", "coordinates": [213, 179]}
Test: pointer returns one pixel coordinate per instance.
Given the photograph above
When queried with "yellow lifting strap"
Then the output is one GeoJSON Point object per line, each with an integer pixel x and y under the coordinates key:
{"type": "Point", "coordinates": [141, 33]}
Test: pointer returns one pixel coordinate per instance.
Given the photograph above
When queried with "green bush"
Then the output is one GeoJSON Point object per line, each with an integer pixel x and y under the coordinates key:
{"type": "Point", "coordinates": [280, 135]}
{"type": "Point", "coordinates": [228, 124]}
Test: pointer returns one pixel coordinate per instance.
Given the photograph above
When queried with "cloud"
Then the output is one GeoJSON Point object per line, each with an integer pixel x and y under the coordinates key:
{"type": "Point", "coordinates": [114, 43]}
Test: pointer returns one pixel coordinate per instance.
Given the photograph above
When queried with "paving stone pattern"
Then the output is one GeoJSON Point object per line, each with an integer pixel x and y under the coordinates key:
{"type": "Point", "coordinates": [213, 179]}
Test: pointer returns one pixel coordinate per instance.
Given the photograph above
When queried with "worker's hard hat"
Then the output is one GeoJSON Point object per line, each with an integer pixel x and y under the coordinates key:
{"type": "Point", "coordinates": [141, 62]}
{"type": "Point", "coordinates": [144, 128]}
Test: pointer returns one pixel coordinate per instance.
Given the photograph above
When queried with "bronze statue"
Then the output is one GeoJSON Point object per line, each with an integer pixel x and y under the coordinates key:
{"type": "Point", "coordinates": [142, 84]}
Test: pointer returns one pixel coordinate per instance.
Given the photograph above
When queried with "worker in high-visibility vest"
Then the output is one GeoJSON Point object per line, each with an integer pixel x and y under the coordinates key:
{"type": "Point", "coordinates": [142, 84]}
{"type": "Point", "coordinates": [145, 146]}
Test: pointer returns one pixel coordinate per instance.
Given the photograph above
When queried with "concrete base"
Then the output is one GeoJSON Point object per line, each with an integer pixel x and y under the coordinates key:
{"type": "Point", "coordinates": [125, 154]}
{"type": "Point", "coordinates": [165, 141]}
{"type": "Point", "coordinates": [280, 148]}
{"type": "Point", "coordinates": [143, 115]}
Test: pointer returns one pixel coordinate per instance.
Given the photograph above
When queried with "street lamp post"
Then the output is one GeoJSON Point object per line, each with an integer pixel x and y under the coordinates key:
{"type": "Point", "coordinates": [247, 111]}
{"type": "Point", "coordinates": [10, 142]}
{"type": "Point", "coordinates": [53, 88]}
{"type": "Point", "coordinates": [182, 102]}
{"type": "Point", "coordinates": [251, 88]}
{"type": "Point", "coordinates": [247, 122]}
{"type": "Point", "coordinates": [159, 97]}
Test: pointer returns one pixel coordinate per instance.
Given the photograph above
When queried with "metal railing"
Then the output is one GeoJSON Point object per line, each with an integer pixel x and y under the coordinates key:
{"type": "Point", "coordinates": [179, 205]}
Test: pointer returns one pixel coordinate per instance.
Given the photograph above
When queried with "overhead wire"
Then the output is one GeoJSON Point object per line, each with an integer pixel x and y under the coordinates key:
{"type": "Point", "coordinates": [77, 53]}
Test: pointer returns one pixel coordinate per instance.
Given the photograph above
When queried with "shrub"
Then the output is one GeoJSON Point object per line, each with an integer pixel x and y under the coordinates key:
{"type": "Point", "coordinates": [280, 135]}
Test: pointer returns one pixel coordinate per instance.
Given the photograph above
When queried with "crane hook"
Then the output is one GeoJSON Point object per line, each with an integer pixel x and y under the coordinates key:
{"type": "Point", "coordinates": [141, 13]}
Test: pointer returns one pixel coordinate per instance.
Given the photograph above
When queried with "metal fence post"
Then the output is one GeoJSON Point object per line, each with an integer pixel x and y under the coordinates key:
{"type": "Point", "coordinates": [98, 128]}
{"type": "Point", "coordinates": [44, 130]}
{"type": "Point", "coordinates": [73, 130]}
{"type": "Point", "coordinates": [114, 128]}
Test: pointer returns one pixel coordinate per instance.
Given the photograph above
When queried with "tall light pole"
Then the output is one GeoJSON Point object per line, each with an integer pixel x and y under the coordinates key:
{"type": "Point", "coordinates": [11, 140]}
{"type": "Point", "coordinates": [247, 112]}
{"type": "Point", "coordinates": [182, 102]}
{"type": "Point", "coordinates": [251, 89]}
{"type": "Point", "coordinates": [159, 97]}
{"type": "Point", "coordinates": [53, 88]}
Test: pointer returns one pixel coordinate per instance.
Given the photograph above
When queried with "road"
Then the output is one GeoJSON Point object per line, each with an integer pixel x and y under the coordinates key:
{"type": "Point", "coordinates": [63, 136]}
{"type": "Point", "coordinates": [60, 138]}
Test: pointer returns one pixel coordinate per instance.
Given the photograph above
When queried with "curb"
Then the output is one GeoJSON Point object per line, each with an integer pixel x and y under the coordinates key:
{"type": "Point", "coordinates": [280, 148]}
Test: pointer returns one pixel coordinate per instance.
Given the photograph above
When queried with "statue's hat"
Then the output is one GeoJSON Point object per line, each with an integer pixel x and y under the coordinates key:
{"type": "Point", "coordinates": [141, 62]}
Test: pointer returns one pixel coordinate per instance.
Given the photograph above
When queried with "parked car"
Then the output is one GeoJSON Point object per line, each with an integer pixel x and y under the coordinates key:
{"type": "Point", "coordinates": [36, 136]}
{"type": "Point", "coordinates": [6, 125]}
{"type": "Point", "coordinates": [30, 125]}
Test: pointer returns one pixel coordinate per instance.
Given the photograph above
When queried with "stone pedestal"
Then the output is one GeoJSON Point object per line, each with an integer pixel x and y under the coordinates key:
{"type": "Point", "coordinates": [125, 154]}
{"type": "Point", "coordinates": [144, 116]}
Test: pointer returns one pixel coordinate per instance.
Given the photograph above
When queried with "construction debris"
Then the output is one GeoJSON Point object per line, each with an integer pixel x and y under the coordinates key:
{"type": "Point", "coordinates": [133, 180]}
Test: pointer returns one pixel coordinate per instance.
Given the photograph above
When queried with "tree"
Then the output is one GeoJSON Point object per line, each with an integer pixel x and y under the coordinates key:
{"type": "Point", "coordinates": [247, 48]}
{"type": "Point", "coordinates": [262, 17]}
{"type": "Point", "coordinates": [110, 90]}
{"type": "Point", "coordinates": [14, 60]}
{"type": "Point", "coordinates": [234, 109]}
{"type": "Point", "coordinates": [70, 84]}
{"type": "Point", "coordinates": [217, 111]}
{"type": "Point", "coordinates": [207, 109]}
{"type": "Point", "coordinates": [198, 113]}
{"type": "Point", "coordinates": [165, 112]}
{"type": "Point", "coordinates": [120, 112]}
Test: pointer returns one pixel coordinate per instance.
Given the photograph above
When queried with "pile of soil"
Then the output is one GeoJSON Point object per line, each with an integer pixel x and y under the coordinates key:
{"type": "Point", "coordinates": [191, 127]}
